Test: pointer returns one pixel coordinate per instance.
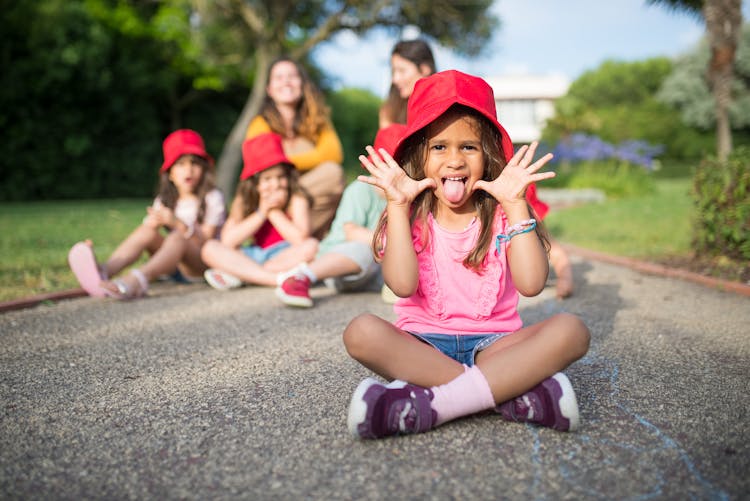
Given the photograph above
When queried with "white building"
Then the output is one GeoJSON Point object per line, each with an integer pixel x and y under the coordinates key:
{"type": "Point", "coordinates": [525, 102]}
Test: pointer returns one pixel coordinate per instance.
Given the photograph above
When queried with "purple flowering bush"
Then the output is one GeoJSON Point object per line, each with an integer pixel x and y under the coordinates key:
{"type": "Point", "coordinates": [587, 161]}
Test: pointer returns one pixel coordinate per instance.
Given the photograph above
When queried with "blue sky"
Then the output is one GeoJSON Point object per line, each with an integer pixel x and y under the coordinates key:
{"type": "Point", "coordinates": [536, 37]}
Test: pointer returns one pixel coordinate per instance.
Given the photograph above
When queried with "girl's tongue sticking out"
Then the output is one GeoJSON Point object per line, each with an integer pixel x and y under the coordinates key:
{"type": "Point", "coordinates": [453, 188]}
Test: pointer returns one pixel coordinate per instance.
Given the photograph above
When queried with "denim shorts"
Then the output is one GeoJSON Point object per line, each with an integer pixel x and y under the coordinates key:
{"type": "Point", "coordinates": [461, 348]}
{"type": "Point", "coordinates": [260, 255]}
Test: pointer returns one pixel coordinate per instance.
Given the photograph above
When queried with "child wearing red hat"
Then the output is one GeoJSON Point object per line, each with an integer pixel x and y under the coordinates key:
{"type": "Point", "coordinates": [457, 244]}
{"type": "Point", "coordinates": [345, 261]}
{"type": "Point", "coordinates": [268, 228]}
{"type": "Point", "coordinates": [188, 207]}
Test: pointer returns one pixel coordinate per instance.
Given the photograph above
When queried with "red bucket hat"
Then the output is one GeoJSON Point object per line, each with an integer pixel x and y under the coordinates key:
{"type": "Point", "coordinates": [261, 152]}
{"type": "Point", "coordinates": [183, 142]}
{"type": "Point", "coordinates": [433, 95]}
{"type": "Point", "coordinates": [388, 137]}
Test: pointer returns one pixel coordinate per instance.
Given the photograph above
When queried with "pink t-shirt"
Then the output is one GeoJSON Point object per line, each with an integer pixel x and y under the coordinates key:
{"type": "Point", "coordinates": [453, 299]}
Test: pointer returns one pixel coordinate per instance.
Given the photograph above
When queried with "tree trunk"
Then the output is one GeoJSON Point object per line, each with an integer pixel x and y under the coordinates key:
{"type": "Point", "coordinates": [723, 22]}
{"type": "Point", "coordinates": [230, 160]}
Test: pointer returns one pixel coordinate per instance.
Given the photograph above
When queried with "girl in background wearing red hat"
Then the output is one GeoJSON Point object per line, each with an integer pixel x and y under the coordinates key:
{"type": "Point", "coordinates": [272, 211]}
{"type": "Point", "coordinates": [345, 261]}
{"type": "Point", "coordinates": [458, 244]}
{"type": "Point", "coordinates": [187, 206]}
{"type": "Point", "coordinates": [294, 108]}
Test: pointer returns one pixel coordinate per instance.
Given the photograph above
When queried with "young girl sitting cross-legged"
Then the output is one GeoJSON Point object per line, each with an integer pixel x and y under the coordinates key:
{"type": "Point", "coordinates": [268, 228]}
{"type": "Point", "coordinates": [457, 245]}
{"type": "Point", "coordinates": [188, 212]}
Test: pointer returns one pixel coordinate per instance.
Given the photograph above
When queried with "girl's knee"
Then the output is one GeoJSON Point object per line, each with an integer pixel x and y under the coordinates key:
{"type": "Point", "coordinates": [358, 334]}
{"type": "Point", "coordinates": [577, 335]}
{"type": "Point", "coordinates": [209, 249]}
{"type": "Point", "coordinates": [176, 240]}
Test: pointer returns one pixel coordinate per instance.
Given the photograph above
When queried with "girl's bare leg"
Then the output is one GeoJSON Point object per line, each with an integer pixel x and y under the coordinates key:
{"type": "Point", "coordinates": [333, 265]}
{"type": "Point", "coordinates": [518, 362]}
{"type": "Point", "coordinates": [192, 264]}
{"type": "Point", "coordinates": [219, 256]}
{"type": "Point", "coordinates": [163, 261]}
{"type": "Point", "coordinates": [292, 256]}
{"type": "Point", "coordinates": [561, 264]}
{"type": "Point", "coordinates": [394, 354]}
{"type": "Point", "coordinates": [143, 238]}
{"type": "Point", "coordinates": [166, 258]}
{"type": "Point", "coordinates": [325, 184]}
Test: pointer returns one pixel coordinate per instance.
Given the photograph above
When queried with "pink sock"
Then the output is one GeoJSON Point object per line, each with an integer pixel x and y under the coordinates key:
{"type": "Point", "coordinates": [469, 393]}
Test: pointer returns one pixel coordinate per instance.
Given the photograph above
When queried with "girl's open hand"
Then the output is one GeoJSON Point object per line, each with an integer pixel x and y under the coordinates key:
{"type": "Point", "coordinates": [388, 175]}
{"type": "Point", "coordinates": [510, 185]}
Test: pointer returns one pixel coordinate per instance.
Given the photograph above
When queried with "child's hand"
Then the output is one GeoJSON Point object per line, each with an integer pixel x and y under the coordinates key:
{"type": "Point", "coordinates": [510, 185]}
{"type": "Point", "coordinates": [273, 199]}
{"type": "Point", "coordinates": [388, 175]}
{"type": "Point", "coordinates": [163, 216]}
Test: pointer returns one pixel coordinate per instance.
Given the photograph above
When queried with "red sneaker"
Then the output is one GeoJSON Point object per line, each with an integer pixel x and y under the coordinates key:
{"type": "Point", "coordinates": [295, 291]}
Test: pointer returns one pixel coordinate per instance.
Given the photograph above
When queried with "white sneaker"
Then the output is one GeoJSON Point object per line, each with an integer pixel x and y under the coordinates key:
{"type": "Point", "coordinates": [221, 280]}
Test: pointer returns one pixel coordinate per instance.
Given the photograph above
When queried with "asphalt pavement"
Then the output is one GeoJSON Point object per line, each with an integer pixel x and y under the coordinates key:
{"type": "Point", "coordinates": [194, 393]}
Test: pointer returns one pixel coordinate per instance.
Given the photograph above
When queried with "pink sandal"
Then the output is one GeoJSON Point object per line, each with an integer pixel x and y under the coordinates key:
{"type": "Point", "coordinates": [85, 268]}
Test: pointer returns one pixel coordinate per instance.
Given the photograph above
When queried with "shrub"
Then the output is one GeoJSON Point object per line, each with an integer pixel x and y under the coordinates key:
{"type": "Point", "coordinates": [586, 161]}
{"type": "Point", "coordinates": [355, 116]}
{"type": "Point", "coordinates": [721, 192]}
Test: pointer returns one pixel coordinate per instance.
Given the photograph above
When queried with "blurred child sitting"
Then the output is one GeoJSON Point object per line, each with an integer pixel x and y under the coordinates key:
{"type": "Point", "coordinates": [272, 211]}
{"type": "Point", "coordinates": [345, 261]}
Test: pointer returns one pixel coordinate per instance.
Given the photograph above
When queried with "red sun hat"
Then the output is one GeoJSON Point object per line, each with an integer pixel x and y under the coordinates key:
{"type": "Point", "coordinates": [433, 95]}
{"type": "Point", "coordinates": [261, 152]}
{"type": "Point", "coordinates": [183, 142]}
{"type": "Point", "coordinates": [388, 137]}
{"type": "Point", "coordinates": [540, 208]}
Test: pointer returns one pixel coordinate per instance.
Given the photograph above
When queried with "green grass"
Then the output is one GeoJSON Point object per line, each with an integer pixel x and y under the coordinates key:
{"type": "Point", "coordinates": [35, 237]}
{"type": "Point", "coordinates": [649, 226]}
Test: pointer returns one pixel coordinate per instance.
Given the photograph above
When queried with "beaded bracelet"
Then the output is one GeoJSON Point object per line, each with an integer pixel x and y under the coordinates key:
{"type": "Point", "coordinates": [517, 229]}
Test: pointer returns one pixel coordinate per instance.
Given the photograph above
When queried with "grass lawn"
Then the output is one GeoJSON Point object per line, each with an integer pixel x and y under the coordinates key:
{"type": "Point", "coordinates": [652, 226]}
{"type": "Point", "coordinates": [35, 237]}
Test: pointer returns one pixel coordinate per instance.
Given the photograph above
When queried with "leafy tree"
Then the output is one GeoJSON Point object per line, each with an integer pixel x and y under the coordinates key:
{"type": "Point", "coordinates": [70, 90]}
{"type": "Point", "coordinates": [255, 33]}
{"type": "Point", "coordinates": [89, 88]}
{"type": "Point", "coordinates": [688, 89]}
{"type": "Point", "coordinates": [616, 102]}
{"type": "Point", "coordinates": [355, 114]}
{"type": "Point", "coordinates": [723, 20]}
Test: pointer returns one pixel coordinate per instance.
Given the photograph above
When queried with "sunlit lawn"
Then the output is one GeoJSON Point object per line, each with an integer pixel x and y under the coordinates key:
{"type": "Point", "coordinates": [35, 237]}
{"type": "Point", "coordinates": [650, 226]}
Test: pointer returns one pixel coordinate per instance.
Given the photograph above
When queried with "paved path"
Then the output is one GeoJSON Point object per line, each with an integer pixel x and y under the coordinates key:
{"type": "Point", "coordinates": [197, 394]}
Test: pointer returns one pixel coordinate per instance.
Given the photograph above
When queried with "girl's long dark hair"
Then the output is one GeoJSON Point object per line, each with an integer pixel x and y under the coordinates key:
{"type": "Point", "coordinates": [412, 159]}
{"type": "Point", "coordinates": [168, 193]}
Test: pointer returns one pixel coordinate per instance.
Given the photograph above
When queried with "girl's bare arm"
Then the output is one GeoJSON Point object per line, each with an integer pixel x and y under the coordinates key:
{"type": "Point", "coordinates": [239, 228]}
{"type": "Point", "coordinates": [294, 227]}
